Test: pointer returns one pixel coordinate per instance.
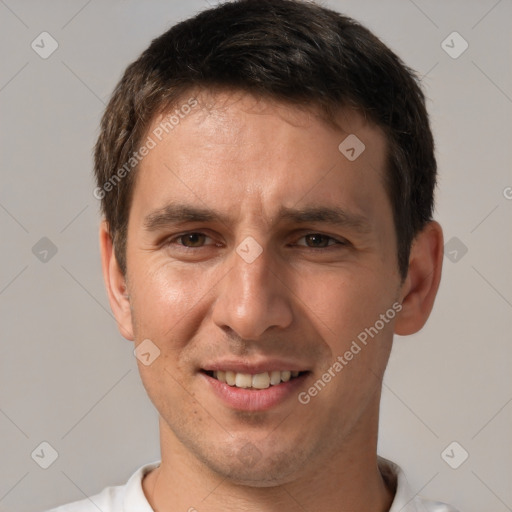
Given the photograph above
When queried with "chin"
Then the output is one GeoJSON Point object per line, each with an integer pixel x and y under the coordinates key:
{"type": "Point", "coordinates": [254, 463]}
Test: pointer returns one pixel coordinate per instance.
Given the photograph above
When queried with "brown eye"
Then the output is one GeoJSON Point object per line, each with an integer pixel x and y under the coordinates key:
{"type": "Point", "coordinates": [317, 240]}
{"type": "Point", "coordinates": [192, 239]}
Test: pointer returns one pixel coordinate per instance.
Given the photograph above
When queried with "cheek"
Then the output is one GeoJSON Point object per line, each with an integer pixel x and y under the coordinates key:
{"type": "Point", "coordinates": [167, 299]}
{"type": "Point", "coordinates": [346, 310]}
{"type": "Point", "coordinates": [342, 303]}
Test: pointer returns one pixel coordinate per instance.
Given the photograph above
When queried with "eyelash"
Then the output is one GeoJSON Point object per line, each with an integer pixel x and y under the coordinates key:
{"type": "Point", "coordinates": [332, 242]}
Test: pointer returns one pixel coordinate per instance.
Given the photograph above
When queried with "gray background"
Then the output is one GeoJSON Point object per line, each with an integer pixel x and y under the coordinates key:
{"type": "Point", "coordinates": [67, 376]}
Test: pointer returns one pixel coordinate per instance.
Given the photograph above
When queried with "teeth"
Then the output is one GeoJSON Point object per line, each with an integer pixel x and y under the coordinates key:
{"type": "Point", "coordinates": [275, 378]}
{"type": "Point", "coordinates": [243, 380]}
{"type": "Point", "coordinates": [257, 381]}
{"type": "Point", "coordinates": [261, 380]}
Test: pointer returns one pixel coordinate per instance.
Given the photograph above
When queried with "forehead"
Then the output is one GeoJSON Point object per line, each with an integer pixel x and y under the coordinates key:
{"type": "Point", "coordinates": [233, 150]}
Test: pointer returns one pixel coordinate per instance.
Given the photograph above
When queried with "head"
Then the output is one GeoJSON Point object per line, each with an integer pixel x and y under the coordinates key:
{"type": "Point", "coordinates": [237, 234]}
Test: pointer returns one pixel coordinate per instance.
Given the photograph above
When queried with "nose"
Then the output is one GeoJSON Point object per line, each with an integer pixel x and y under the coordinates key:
{"type": "Point", "coordinates": [251, 298]}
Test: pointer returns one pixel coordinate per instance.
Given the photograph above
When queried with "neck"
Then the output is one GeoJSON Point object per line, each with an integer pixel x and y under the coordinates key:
{"type": "Point", "coordinates": [349, 479]}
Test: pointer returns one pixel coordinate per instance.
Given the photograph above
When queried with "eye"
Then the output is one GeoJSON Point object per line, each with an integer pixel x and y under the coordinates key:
{"type": "Point", "coordinates": [191, 240]}
{"type": "Point", "coordinates": [319, 241]}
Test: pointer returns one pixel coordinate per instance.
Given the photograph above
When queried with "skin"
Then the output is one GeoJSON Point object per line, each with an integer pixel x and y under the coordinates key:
{"type": "Point", "coordinates": [298, 300]}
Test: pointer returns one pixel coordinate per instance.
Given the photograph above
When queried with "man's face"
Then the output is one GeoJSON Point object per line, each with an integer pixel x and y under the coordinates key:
{"type": "Point", "coordinates": [255, 246]}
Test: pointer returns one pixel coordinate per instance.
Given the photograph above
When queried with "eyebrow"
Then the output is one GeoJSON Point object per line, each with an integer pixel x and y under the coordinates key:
{"type": "Point", "coordinates": [329, 215]}
{"type": "Point", "coordinates": [175, 213]}
{"type": "Point", "coordinates": [180, 213]}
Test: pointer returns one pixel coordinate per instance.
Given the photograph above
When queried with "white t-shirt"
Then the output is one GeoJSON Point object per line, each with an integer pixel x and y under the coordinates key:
{"type": "Point", "coordinates": [130, 497]}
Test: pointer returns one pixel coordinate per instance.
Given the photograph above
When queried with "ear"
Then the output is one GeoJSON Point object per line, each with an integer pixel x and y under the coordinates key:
{"type": "Point", "coordinates": [115, 283]}
{"type": "Point", "coordinates": [419, 289]}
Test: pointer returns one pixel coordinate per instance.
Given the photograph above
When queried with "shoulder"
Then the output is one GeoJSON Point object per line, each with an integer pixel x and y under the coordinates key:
{"type": "Point", "coordinates": [120, 498]}
{"type": "Point", "coordinates": [424, 505]}
{"type": "Point", "coordinates": [406, 500]}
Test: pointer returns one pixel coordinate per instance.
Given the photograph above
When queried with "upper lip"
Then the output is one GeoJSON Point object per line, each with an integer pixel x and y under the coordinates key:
{"type": "Point", "coordinates": [254, 367]}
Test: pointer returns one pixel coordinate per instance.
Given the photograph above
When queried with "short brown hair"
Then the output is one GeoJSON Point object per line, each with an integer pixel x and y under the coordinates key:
{"type": "Point", "coordinates": [288, 50]}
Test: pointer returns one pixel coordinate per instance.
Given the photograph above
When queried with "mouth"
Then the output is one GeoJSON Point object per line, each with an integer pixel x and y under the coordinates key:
{"type": "Point", "coordinates": [253, 389]}
{"type": "Point", "coordinates": [262, 380]}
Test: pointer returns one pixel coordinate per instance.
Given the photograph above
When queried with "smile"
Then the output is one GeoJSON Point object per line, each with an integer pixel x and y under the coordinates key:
{"type": "Point", "coordinates": [262, 380]}
{"type": "Point", "coordinates": [251, 389]}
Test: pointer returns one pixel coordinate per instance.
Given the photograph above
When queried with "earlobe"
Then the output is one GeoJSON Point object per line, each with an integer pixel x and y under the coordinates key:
{"type": "Point", "coordinates": [115, 284]}
{"type": "Point", "coordinates": [420, 287]}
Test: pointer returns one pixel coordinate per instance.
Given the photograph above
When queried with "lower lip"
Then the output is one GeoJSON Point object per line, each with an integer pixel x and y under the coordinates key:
{"type": "Point", "coordinates": [255, 399]}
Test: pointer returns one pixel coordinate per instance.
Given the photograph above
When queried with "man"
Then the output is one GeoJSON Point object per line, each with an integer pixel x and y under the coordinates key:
{"type": "Point", "coordinates": [266, 174]}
